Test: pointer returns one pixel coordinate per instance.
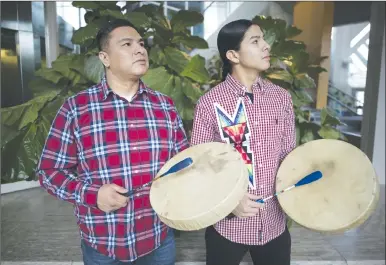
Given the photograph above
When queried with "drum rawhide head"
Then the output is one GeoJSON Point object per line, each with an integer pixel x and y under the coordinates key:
{"type": "Point", "coordinates": [203, 193]}
{"type": "Point", "coordinates": [342, 199]}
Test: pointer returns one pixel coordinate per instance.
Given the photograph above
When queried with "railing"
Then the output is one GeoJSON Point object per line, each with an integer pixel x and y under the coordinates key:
{"type": "Point", "coordinates": [339, 107]}
{"type": "Point", "coordinates": [344, 100]}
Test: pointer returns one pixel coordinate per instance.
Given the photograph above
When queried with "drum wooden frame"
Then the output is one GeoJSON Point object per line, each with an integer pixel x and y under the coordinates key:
{"type": "Point", "coordinates": [343, 199]}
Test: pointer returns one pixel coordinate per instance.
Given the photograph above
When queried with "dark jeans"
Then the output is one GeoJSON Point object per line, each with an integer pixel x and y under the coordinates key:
{"type": "Point", "coordinates": [221, 251]}
{"type": "Point", "coordinates": [164, 255]}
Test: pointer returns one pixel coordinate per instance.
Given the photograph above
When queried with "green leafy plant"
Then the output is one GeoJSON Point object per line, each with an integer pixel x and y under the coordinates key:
{"type": "Point", "coordinates": [172, 71]}
{"type": "Point", "coordinates": [292, 69]}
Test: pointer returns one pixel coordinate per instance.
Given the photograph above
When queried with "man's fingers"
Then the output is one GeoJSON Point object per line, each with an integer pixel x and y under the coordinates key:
{"type": "Point", "coordinates": [119, 188]}
{"type": "Point", "coordinates": [253, 197]}
{"type": "Point", "coordinates": [247, 214]}
{"type": "Point", "coordinates": [119, 200]}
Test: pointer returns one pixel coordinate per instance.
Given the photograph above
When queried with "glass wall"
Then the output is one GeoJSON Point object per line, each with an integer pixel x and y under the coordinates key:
{"type": "Point", "coordinates": [349, 54]}
{"type": "Point", "coordinates": [23, 44]}
{"type": "Point", "coordinates": [10, 69]}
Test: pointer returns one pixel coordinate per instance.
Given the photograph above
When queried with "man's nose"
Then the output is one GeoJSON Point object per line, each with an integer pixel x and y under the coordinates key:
{"type": "Point", "coordinates": [140, 49]}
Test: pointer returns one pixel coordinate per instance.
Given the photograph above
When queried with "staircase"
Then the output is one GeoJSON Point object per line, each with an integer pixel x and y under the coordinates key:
{"type": "Point", "coordinates": [348, 109]}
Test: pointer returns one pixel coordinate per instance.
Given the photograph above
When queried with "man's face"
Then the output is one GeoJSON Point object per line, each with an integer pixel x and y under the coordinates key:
{"type": "Point", "coordinates": [125, 54]}
{"type": "Point", "coordinates": [254, 51]}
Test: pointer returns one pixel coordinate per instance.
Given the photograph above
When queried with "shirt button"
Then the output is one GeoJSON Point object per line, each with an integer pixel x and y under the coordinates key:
{"type": "Point", "coordinates": [139, 217]}
{"type": "Point", "coordinates": [136, 172]}
{"type": "Point", "coordinates": [258, 143]}
{"type": "Point", "coordinates": [260, 165]}
{"type": "Point", "coordinates": [135, 148]}
{"type": "Point", "coordinates": [131, 125]}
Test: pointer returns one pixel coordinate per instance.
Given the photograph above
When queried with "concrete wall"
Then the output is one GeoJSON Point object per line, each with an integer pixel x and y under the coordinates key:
{"type": "Point", "coordinates": [379, 141]}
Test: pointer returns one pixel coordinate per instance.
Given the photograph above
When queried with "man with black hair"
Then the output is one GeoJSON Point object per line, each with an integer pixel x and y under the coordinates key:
{"type": "Point", "coordinates": [107, 140]}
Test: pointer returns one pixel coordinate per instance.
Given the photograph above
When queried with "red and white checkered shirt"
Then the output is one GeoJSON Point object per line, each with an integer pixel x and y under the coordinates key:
{"type": "Point", "coordinates": [263, 131]}
{"type": "Point", "coordinates": [98, 137]}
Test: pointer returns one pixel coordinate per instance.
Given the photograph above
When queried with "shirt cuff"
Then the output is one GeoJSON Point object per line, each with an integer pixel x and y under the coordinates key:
{"type": "Point", "coordinates": [88, 194]}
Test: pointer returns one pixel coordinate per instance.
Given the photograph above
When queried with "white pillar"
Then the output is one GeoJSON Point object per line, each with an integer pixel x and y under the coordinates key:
{"type": "Point", "coordinates": [51, 32]}
{"type": "Point", "coordinates": [379, 137]}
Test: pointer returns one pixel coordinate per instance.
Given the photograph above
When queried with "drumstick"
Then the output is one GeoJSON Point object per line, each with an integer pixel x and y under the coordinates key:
{"type": "Point", "coordinates": [177, 167]}
{"type": "Point", "coordinates": [306, 180]}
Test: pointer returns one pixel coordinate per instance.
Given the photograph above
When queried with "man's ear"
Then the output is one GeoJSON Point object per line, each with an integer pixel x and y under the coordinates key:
{"type": "Point", "coordinates": [104, 57]}
{"type": "Point", "coordinates": [233, 56]}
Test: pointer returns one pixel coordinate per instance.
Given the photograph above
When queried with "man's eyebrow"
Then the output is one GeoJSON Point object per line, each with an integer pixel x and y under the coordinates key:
{"type": "Point", "coordinates": [255, 37]}
{"type": "Point", "coordinates": [130, 39]}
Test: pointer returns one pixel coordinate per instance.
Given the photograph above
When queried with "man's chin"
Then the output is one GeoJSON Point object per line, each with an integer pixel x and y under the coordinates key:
{"type": "Point", "coordinates": [265, 67]}
{"type": "Point", "coordinates": [140, 73]}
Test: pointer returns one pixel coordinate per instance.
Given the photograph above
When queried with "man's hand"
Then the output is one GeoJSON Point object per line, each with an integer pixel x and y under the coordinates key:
{"type": "Point", "coordinates": [248, 206]}
{"type": "Point", "coordinates": [109, 199]}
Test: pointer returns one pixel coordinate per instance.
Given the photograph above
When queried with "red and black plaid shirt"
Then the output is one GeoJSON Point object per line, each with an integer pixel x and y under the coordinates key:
{"type": "Point", "coordinates": [99, 137]}
{"type": "Point", "coordinates": [263, 131]}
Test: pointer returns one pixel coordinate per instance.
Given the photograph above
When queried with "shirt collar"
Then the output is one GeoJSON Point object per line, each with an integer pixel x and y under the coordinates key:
{"type": "Point", "coordinates": [240, 89]}
{"type": "Point", "coordinates": [106, 90]}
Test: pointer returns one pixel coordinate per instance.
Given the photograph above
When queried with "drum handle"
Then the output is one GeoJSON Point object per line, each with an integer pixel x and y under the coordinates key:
{"type": "Point", "coordinates": [175, 168]}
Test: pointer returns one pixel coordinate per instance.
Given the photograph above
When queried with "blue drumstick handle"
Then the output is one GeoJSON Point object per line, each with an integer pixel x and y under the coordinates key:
{"type": "Point", "coordinates": [314, 176]}
{"type": "Point", "coordinates": [179, 166]}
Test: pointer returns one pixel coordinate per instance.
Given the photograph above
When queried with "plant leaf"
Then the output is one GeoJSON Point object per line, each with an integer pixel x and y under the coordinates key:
{"type": "Point", "coordinates": [303, 81]}
{"type": "Point", "coordinates": [40, 86]}
{"type": "Point", "coordinates": [281, 75]}
{"type": "Point", "coordinates": [157, 56]}
{"type": "Point", "coordinates": [270, 36]}
{"type": "Point", "coordinates": [10, 160]}
{"type": "Point", "coordinates": [175, 59]}
{"type": "Point", "coordinates": [86, 33]}
{"type": "Point", "coordinates": [94, 69]}
{"type": "Point", "coordinates": [49, 74]}
{"type": "Point", "coordinates": [298, 135]}
{"type": "Point", "coordinates": [307, 136]}
{"type": "Point", "coordinates": [140, 20]}
{"type": "Point", "coordinates": [159, 79]}
{"type": "Point", "coordinates": [328, 118]}
{"type": "Point", "coordinates": [183, 104]}
{"type": "Point", "coordinates": [113, 13]}
{"type": "Point", "coordinates": [292, 31]}
{"type": "Point", "coordinates": [21, 115]}
{"type": "Point", "coordinates": [191, 91]}
{"type": "Point", "coordinates": [196, 70]}
{"type": "Point", "coordinates": [328, 132]}
{"type": "Point", "coordinates": [86, 4]}
{"type": "Point", "coordinates": [185, 18]}
{"type": "Point", "coordinates": [192, 42]}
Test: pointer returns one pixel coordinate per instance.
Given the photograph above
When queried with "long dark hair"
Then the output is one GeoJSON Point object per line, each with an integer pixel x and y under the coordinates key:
{"type": "Point", "coordinates": [230, 38]}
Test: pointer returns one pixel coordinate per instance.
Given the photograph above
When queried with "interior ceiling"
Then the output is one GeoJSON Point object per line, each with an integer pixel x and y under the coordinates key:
{"type": "Point", "coordinates": [345, 12]}
{"type": "Point", "coordinates": [351, 12]}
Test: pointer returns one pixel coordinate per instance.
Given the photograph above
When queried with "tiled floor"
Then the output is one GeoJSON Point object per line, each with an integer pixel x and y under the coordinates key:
{"type": "Point", "coordinates": [37, 227]}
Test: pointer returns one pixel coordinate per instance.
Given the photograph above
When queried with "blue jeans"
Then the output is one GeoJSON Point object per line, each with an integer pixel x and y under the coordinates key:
{"type": "Point", "coordinates": [163, 255]}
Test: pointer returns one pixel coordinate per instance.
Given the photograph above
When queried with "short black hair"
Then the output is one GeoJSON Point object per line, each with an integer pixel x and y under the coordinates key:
{"type": "Point", "coordinates": [103, 35]}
